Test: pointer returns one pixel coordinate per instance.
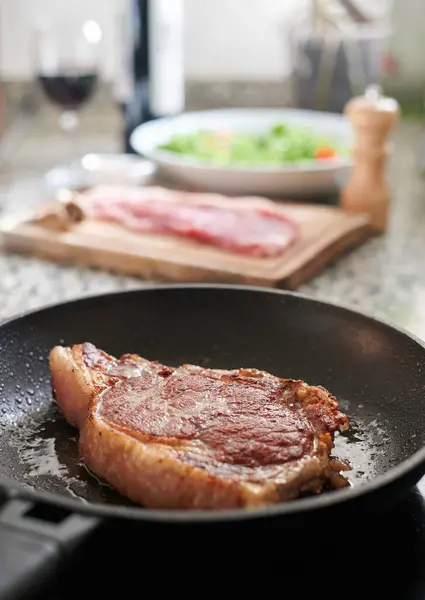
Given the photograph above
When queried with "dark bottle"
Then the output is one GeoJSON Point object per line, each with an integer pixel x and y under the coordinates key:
{"type": "Point", "coordinates": [149, 77]}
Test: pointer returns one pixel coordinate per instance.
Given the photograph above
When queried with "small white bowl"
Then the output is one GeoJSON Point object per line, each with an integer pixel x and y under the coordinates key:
{"type": "Point", "coordinates": [306, 178]}
{"type": "Point", "coordinates": [93, 169]}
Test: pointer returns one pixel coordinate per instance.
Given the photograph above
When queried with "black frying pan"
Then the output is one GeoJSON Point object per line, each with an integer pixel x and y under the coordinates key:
{"type": "Point", "coordinates": [51, 502]}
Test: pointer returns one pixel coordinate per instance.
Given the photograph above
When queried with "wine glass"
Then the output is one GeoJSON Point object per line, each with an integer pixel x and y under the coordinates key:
{"type": "Point", "coordinates": [67, 55]}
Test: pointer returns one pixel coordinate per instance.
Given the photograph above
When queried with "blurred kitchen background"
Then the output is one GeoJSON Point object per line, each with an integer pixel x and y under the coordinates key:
{"type": "Point", "coordinates": [265, 53]}
{"type": "Point", "coordinates": [241, 53]}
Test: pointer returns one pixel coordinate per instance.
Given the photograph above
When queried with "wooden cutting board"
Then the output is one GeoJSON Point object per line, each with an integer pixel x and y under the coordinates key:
{"type": "Point", "coordinates": [325, 232]}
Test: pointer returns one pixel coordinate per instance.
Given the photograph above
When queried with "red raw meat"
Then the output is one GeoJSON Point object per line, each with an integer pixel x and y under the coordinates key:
{"type": "Point", "coordinates": [207, 218]}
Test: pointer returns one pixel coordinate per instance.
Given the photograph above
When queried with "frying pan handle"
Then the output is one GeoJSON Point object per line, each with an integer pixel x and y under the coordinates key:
{"type": "Point", "coordinates": [34, 540]}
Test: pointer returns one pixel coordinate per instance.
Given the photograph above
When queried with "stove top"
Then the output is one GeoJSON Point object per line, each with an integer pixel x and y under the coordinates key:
{"type": "Point", "coordinates": [381, 556]}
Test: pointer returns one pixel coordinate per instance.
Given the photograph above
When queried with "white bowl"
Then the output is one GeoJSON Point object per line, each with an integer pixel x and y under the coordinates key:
{"type": "Point", "coordinates": [307, 178]}
{"type": "Point", "coordinates": [94, 169]}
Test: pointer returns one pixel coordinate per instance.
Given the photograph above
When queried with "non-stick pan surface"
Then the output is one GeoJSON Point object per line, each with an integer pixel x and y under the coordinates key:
{"type": "Point", "coordinates": [376, 371]}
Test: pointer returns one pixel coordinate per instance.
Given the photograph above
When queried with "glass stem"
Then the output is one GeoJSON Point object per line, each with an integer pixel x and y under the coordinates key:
{"type": "Point", "coordinates": [68, 120]}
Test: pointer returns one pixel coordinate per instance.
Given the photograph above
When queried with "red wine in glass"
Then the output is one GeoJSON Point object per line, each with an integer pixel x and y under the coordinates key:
{"type": "Point", "coordinates": [66, 63]}
{"type": "Point", "coordinates": [69, 90]}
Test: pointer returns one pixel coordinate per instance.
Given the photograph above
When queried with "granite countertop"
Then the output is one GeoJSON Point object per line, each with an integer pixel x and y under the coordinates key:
{"type": "Point", "coordinates": [385, 277]}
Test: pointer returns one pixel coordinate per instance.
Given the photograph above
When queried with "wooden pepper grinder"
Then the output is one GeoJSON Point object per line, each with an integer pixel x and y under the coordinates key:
{"type": "Point", "coordinates": [373, 116]}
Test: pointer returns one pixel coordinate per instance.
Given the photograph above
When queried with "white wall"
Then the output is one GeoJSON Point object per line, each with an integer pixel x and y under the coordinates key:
{"type": "Point", "coordinates": [227, 39]}
{"type": "Point", "coordinates": [237, 38]}
{"type": "Point", "coordinates": [17, 24]}
{"type": "Point", "coordinates": [224, 38]}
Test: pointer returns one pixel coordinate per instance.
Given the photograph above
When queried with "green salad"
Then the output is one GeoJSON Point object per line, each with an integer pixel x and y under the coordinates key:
{"type": "Point", "coordinates": [281, 144]}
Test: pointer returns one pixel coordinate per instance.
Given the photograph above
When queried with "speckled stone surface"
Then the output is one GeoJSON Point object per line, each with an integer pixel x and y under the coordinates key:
{"type": "Point", "coordinates": [385, 277]}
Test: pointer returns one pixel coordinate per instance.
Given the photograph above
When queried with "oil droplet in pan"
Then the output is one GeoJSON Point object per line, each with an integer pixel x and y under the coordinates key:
{"type": "Point", "coordinates": [47, 451]}
{"type": "Point", "coordinates": [41, 457]}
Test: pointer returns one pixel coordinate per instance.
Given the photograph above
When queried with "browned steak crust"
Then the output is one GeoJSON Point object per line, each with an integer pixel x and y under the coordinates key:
{"type": "Point", "coordinates": [192, 437]}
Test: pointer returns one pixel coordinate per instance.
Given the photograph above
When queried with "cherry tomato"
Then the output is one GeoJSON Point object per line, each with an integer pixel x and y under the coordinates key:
{"type": "Point", "coordinates": [325, 152]}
